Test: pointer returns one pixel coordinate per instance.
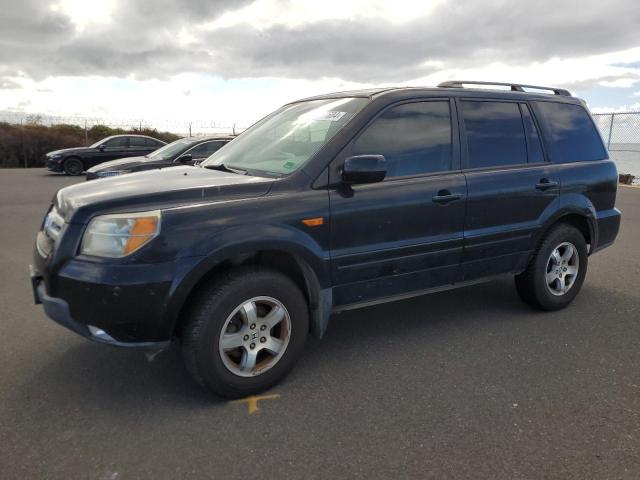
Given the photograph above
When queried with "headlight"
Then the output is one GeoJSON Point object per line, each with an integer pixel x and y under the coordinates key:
{"type": "Point", "coordinates": [57, 156]}
{"type": "Point", "coordinates": [119, 235]}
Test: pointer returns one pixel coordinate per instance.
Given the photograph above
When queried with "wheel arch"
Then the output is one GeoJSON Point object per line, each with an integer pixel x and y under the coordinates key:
{"type": "Point", "coordinates": [304, 267]}
{"type": "Point", "coordinates": [580, 218]}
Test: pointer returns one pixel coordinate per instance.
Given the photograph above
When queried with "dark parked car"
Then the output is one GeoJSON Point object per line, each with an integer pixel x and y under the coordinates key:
{"type": "Point", "coordinates": [74, 161]}
{"type": "Point", "coordinates": [331, 203]}
{"type": "Point", "coordinates": [186, 151]}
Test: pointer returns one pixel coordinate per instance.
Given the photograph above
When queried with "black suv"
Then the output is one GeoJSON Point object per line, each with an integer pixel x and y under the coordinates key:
{"type": "Point", "coordinates": [186, 151]}
{"type": "Point", "coordinates": [74, 161]}
{"type": "Point", "coordinates": [331, 203]}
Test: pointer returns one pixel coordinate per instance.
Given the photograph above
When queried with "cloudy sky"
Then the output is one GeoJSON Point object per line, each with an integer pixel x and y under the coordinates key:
{"type": "Point", "coordinates": [236, 60]}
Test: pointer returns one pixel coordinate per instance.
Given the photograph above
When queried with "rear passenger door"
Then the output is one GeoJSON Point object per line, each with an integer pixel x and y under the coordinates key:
{"type": "Point", "coordinates": [403, 234]}
{"type": "Point", "coordinates": [510, 185]}
{"type": "Point", "coordinates": [139, 146]}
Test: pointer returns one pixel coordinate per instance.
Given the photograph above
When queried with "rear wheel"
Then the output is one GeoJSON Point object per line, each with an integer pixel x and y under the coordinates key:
{"type": "Point", "coordinates": [73, 166]}
{"type": "Point", "coordinates": [557, 270]}
{"type": "Point", "coordinates": [244, 332]}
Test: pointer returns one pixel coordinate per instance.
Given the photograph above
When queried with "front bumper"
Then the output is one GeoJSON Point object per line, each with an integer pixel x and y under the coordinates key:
{"type": "Point", "coordinates": [57, 309]}
{"type": "Point", "coordinates": [54, 165]}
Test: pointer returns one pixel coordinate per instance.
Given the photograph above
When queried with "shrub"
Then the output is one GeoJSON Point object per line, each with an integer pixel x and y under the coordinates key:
{"type": "Point", "coordinates": [26, 145]}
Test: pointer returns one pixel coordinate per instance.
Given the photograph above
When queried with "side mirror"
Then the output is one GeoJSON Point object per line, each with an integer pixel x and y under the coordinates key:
{"type": "Point", "coordinates": [102, 147]}
{"type": "Point", "coordinates": [364, 169]}
{"type": "Point", "coordinates": [186, 158]}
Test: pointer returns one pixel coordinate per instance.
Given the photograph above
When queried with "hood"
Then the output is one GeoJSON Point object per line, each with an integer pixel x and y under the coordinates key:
{"type": "Point", "coordinates": [120, 164]}
{"type": "Point", "coordinates": [155, 189]}
{"type": "Point", "coordinates": [65, 151]}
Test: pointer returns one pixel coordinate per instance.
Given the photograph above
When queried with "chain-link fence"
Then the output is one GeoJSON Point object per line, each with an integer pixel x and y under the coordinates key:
{"type": "Point", "coordinates": [621, 134]}
{"type": "Point", "coordinates": [180, 127]}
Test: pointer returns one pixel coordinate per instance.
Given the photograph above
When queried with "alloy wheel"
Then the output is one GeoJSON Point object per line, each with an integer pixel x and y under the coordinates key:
{"type": "Point", "coordinates": [562, 268]}
{"type": "Point", "coordinates": [255, 336]}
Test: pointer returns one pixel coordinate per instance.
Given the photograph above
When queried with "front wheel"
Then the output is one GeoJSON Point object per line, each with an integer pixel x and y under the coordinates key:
{"type": "Point", "coordinates": [244, 332]}
{"type": "Point", "coordinates": [557, 270]}
{"type": "Point", "coordinates": [72, 166]}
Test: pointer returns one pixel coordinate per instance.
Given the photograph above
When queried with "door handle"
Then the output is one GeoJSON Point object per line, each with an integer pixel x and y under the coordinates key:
{"type": "Point", "coordinates": [445, 196]}
{"type": "Point", "coordinates": [545, 184]}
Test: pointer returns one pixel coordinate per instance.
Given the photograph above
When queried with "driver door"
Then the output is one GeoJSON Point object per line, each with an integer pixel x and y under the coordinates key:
{"type": "Point", "coordinates": [404, 234]}
{"type": "Point", "coordinates": [110, 150]}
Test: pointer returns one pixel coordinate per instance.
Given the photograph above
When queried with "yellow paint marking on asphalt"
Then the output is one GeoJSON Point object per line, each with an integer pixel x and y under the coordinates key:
{"type": "Point", "coordinates": [252, 401]}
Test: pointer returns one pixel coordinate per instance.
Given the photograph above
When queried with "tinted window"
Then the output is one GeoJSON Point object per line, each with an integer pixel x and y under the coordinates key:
{"type": "Point", "coordinates": [150, 142]}
{"type": "Point", "coordinates": [205, 149]}
{"type": "Point", "coordinates": [534, 147]}
{"type": "Point", "coordinates": [569, 132]}
{"type": "Point", "coordinates": [138, 142]}
{"type": "Point", "coordinates": [495, 134]}
{"type": "Point", "coordinates": [414, 138]}
{"type": "Point", "coordinates": [117, 142]}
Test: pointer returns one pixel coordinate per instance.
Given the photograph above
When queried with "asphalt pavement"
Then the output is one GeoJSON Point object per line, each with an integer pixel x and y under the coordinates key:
{"type": "Point", "coordinates": [469, 383]}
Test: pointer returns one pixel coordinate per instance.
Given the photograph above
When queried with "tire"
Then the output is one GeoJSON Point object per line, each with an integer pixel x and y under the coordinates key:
{"type": "Point", "coordinates": [546, 283]}
{"type": "Point", "coordinates": [73, 166]}
{"type": "Point", "coordinates": [228, 373]}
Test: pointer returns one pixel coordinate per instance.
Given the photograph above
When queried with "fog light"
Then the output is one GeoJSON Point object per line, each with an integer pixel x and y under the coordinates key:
{"type": "Point", "coordinates": [100, 334]}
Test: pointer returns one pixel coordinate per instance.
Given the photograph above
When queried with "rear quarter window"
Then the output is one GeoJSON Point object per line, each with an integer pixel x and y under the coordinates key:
{"type": "Point", "coordinates": [569, 132]}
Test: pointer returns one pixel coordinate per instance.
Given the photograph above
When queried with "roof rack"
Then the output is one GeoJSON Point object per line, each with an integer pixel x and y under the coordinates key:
{"type": "Point", "coordinates": [515, 87]}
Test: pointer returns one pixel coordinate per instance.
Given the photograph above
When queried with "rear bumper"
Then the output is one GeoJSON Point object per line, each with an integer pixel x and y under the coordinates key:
{"type": "Point", "coordinates": [58, 310]}
{"type": "Point", "coordinates": [608, 227]}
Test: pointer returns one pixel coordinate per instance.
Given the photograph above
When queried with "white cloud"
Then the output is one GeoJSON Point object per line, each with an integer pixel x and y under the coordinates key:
{"type": "Point", "coordinates": [263, 14]}
{"type": "Point", "coordinates": [634, 107]}
{"type": "Point", "coordinates": [239, 59]}
{"type": "Point", "coordinates": [84, 13]}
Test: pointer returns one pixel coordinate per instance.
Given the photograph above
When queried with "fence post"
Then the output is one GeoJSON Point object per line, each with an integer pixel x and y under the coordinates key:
{"type": "Point", "coordinates": [610, 131]}
{"type": "Point", "coordinates": [189, 128]}
{"type": "Point", "coordinates": [86, 134]}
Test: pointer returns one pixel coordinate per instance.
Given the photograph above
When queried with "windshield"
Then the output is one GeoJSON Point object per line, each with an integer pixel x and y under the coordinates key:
{"type": "Point", "coordinates": [100, 142]}
{"type": "Point", "coordinates": [169, 151]}
{"type": "Point", "coordinates": [284, 141]}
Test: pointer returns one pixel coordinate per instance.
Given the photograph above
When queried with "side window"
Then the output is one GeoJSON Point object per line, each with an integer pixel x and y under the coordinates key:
{"type": "Point", "coordinates": [569, 132]}
{"type": "Point", "coordinates": [495, 133]}
{"type": "Point", "coordinates": [118, 142]}
{"type": "Point", "coordinates": [414, 138]}
{"type": "Point", "coordinates": [151, 143]}
{"type": "Point", "coordinates": [138, 142]}
{"type": "Point", "coordinates": [534, 147]}
{"type": "Point", "coordinates": [205, 149]}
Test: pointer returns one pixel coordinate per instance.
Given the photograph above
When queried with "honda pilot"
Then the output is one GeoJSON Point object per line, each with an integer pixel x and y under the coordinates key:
{"type": "Point", "coordinates": [331, 203]}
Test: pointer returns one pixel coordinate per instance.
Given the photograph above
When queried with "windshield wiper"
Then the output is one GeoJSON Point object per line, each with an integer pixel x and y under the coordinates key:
{"type": "Point", "coordinates": [223, 168]}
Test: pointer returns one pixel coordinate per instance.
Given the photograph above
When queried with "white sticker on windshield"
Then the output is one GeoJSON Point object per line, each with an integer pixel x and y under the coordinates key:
{"type": "Point", "coordinates": [331, 115]}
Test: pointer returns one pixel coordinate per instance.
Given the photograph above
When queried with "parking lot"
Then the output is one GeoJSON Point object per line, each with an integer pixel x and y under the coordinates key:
{"type": "Point", "coordinates": [469, 383]}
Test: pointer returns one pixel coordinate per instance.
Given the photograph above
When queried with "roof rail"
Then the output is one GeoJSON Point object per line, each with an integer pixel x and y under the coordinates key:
{"type": "Point", "coordinates": [515, 87]}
